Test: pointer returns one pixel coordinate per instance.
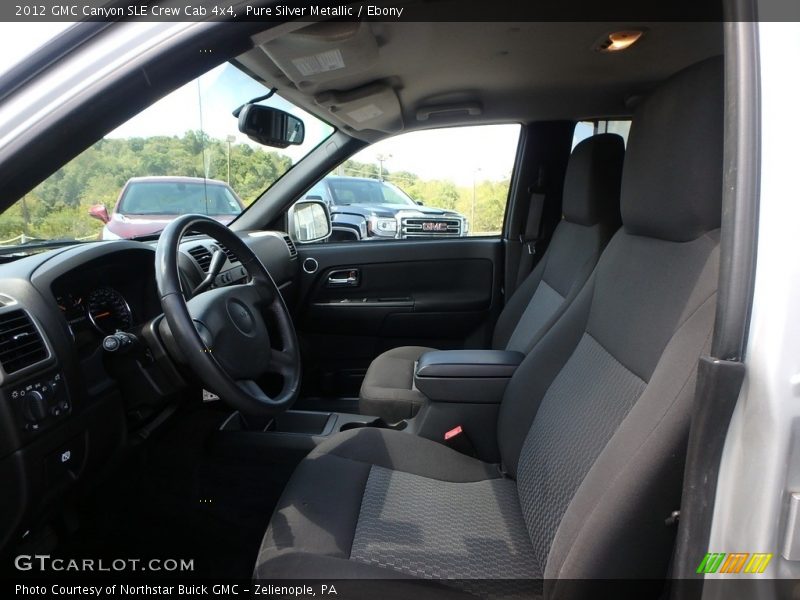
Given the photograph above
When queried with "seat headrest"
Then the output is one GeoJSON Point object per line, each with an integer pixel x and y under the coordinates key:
{"type": "Point", "coordinates": [592, 181]}
{"type": "Point", "coordinates": [672, 178]}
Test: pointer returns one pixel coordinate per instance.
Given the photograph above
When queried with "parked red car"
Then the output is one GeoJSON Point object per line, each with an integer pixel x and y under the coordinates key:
{"type": "Point", "coordinates": [147, 204]}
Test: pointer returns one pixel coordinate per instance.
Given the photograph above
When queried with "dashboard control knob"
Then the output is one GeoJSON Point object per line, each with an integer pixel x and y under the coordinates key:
{"type": "Point", "coordinates": [111, 343]}
{"type": "Point", "coordinates": [36, 408]}
{"type": "Point", "coordinates": [121, 341]}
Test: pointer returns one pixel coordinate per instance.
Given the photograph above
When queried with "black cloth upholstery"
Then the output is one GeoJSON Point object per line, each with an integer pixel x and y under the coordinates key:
{"type": "Point", "coordinates": [591, 216]}
{"type": "Point", "coordinates": [669, 190]}
{"type": "Point", "coordinates": [592, 181]}
{"type": "Point", "coordinates": [318, 511]}
{"type": "Point", "coordinates": [388, 388]}
{"type": "Point", "coordinates": [593, 424]}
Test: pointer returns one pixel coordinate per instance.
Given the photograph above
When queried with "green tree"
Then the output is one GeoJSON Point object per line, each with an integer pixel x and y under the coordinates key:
{"type": "Point", "coordinates": [354, 168]}
{"type": "Point", "coordinates": [58, 207]}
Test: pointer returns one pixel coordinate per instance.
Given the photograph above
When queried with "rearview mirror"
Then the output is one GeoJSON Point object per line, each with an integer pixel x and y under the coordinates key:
{"type": "Point", "coordinates": [271, 126]}
{"type": "Point", "coordinates": [99, 212]}
{"type": "Point", "coordinates": [309, 221]}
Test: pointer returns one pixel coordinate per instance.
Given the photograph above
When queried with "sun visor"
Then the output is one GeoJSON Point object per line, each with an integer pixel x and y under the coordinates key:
{"type": "Point", "coordinates": [374, 106]}
{"type": "Point", "coordinates": [324, 52]}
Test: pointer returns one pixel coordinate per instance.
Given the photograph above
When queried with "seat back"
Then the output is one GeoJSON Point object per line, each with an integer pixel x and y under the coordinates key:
{"type": "Point", "coordinates": [594, 422]}
{"type": "Point", "coordinates": [590, 210]}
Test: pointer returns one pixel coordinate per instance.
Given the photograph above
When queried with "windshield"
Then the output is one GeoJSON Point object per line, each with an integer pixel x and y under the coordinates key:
{"type": "Point", "coordinates": [177, 198]}
{"type": "Point", "coordinates": [184, 154]}
{"type": "Point", "coordinates": [361, 191]}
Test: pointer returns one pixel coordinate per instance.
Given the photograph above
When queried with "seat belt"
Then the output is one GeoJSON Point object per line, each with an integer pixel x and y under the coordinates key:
{"type": "Point", "coordinates": [533, 230]}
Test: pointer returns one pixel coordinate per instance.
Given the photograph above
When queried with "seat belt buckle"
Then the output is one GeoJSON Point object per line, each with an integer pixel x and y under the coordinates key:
{"type": "Point", "coordinates": [458, 440]}
{"type": "Point", "coordinates": [529, 243]}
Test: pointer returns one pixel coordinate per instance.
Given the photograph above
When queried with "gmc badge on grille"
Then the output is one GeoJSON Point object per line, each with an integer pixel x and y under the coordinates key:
{"type": "Point", "coordinates": [434, 226]}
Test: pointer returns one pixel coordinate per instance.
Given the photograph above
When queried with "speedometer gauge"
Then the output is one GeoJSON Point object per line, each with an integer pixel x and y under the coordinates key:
{"type": "Point", "coordinates": [108, 310]}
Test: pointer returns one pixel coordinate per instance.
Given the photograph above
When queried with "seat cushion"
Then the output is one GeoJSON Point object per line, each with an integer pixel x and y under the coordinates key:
{"type": "Point", "coordinates": [398, 505]}
{"type": "Point", "coordinates": [388, 388]}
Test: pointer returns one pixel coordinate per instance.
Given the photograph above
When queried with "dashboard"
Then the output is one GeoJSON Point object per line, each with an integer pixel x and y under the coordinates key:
{"type": "Point", "coordinates": [68, 405]}
{"type": "Point", "coordinates": [108, 294]}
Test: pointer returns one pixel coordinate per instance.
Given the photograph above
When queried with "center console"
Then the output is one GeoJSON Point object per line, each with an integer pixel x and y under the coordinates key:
{"type": "Point", "coordinates": [300, 431]}
{"type": "Point", "coordinates": [464, 390]}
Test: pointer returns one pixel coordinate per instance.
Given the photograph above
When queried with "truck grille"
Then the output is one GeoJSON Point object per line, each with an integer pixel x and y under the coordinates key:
{"type": "Point", "coordinates": [430, 227]}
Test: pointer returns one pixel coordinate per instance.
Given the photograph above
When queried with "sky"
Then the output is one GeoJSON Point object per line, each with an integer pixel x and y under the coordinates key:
{"type": "Point", "coordinates": [17, 40]}
{"type": "Point", "coordinates": [459, 154]}
{"type": "Point", "coordinates": [217, 93]}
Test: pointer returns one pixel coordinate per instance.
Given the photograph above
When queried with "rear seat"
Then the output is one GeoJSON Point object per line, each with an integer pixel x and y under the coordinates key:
{"type": "Point", "coordinates": [591, 215]}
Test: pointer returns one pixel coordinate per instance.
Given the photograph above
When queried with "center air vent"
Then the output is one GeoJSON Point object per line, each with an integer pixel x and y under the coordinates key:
{"type": "Point", "coordinates": [21, 345]}
{"type": "Point", "coordinates": [229, 253]}
{"type": "Point", "coordinates": [202, 255]}
{"type": "Point", "coordinates": [290, 245]}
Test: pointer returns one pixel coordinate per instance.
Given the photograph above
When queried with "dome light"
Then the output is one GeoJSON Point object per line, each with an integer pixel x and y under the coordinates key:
{"type": "Point", "coordinates": [620, 40]}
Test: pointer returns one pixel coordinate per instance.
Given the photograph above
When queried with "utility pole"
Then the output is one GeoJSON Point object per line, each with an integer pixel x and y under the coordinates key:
{"type": "Point", "coordinates": [230, 139]}
{"type": "Point", "coordinates": [26, 217]}
{"type": "Point", "coordinates": [472, 212]}
{"type": "Point", "coordinates": [382, 158]}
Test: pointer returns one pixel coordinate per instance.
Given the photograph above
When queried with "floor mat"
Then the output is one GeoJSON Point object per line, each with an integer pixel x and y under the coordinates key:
{"type": "Point", "coordinates": [175, 498]}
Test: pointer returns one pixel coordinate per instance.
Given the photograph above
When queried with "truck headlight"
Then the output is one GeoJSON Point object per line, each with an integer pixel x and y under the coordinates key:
{"type": "Point", "coordinates": [384, 227]}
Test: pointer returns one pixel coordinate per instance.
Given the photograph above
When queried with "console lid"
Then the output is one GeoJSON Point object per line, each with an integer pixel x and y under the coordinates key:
{"type": "Point", "coordinates": [469, 363]}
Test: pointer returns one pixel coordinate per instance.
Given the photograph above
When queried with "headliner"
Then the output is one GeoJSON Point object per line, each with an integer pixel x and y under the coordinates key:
{"type": "Point", "coordinates": [515, 72]}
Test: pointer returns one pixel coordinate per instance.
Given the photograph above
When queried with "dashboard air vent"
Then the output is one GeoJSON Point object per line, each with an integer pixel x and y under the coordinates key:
{"type": "Point", "coordinates": [290, 245]}
{"type": "Point", "coordinates": [229, 253]}
{"type": "Point", "coordinates": [21, 345]}
{"type": "Point", "coordinates": [202, 255]}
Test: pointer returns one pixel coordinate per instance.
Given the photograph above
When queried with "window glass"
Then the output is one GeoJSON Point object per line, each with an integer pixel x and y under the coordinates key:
{"type": "Point", "coordinates": [184, 154]}
{"type": "Point", "coordinates": [620, 128]}
{"type": "Point", "coordinates": [177, 198]}
{"type": "Point", "coordinates": [583, 130]}
{"type": "Point", "coordinates": [440, 183]}
{"type": "Point", "coordinates": [586, 129]}
{"type": "Point", "coordinates": [347, 190]}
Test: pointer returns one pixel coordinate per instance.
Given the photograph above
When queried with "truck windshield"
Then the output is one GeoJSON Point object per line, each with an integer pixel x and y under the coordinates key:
{"type": "Point", "coordinates": [178, 198]}
{"type": "Point", "coordinates": [360, 191]}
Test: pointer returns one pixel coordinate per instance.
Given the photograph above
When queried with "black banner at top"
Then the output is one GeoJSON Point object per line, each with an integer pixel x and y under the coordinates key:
{"type": "Point", "coordinates": [391, 10]}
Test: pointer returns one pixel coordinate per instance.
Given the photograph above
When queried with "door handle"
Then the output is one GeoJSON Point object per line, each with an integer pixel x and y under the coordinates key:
{"type": "Point", "coordinates": [344, 277]}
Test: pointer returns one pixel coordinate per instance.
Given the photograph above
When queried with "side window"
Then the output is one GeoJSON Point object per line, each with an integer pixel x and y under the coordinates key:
{"type": "Point", "coordinates": [436, 184]}
{"type": "Point", "coordinates": [586, 129]}
{"type": "Point", "coordinates": [317, 192]}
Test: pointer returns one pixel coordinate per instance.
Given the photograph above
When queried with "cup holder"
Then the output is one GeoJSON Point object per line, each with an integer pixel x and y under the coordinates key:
{"type": "Point", "coordinates": [378, 423]}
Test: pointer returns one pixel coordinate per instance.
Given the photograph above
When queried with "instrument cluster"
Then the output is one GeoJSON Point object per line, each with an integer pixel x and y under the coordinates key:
{"type": "Point", "coordinates": [98, 300]}
{"type": "Point", "coordinates": [105, 309]}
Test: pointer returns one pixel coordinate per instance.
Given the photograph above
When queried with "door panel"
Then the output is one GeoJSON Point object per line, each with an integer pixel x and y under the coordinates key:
{"type": "Point", "coordinates": [437, 293]}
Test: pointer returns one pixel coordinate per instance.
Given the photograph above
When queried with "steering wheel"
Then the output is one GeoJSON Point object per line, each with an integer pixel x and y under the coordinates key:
{"type": "Point", "coordinates": [222, 333]}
